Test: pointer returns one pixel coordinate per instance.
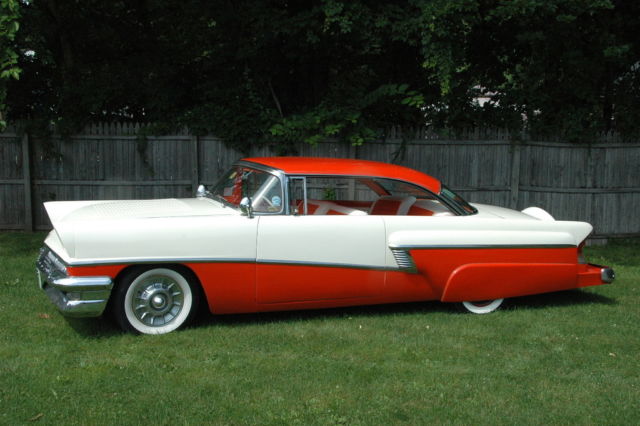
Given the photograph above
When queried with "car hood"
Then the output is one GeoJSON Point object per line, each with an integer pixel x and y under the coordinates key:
{"type": "Point", "coordinates": [102, 228]}
{"type": "Point", "coordinates": [82, 211]}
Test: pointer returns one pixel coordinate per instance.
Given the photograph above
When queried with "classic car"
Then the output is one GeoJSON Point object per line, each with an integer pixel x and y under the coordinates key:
{"type": "Point", "coordinates": [287, 233]}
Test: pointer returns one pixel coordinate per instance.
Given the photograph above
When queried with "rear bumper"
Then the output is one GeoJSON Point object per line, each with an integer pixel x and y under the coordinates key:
{"type": "Point", "coordinates": [595, 275]}
{"type": "Point", "coordinates": [73, 296]}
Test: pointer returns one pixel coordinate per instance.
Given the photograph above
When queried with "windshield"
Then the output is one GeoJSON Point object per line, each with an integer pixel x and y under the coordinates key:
{"type": "Point", "coordinates": [263, 188]}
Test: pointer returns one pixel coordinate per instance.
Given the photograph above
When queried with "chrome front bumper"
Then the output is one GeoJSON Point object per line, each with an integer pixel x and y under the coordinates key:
{"type": "Point", "coordinates": [73, 296]}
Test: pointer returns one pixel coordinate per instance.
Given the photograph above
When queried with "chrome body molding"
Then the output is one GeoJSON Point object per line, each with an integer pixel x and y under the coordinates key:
{"type": "Point", "coordinates": [157, 260]}
{"type": "Point", "coordinates": [73, 296]}
{"type": "Point", "coordinates": [323, 264]}
{"type": "Point", "coordinates": [478, 246]}
{"type": "Point", "coordinates": [179, 260]}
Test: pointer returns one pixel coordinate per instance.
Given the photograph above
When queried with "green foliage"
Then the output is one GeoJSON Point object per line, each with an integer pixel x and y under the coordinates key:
{"type": "Point", "coordinates": [345, 118]}
{"type": "Point", "coordinates": [557, 67]}
{"type": "Point", "coordinates": [255, 72]}
{"type": "Point", "coordinates": [9, 26]}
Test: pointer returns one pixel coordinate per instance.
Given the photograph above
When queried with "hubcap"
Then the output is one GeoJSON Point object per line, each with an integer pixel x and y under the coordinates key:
{"type": "Point", "coordinates": [157, 300]}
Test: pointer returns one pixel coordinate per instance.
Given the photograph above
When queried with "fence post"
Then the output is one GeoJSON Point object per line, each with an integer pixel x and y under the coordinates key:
{"type": "Point", "coordinates": [26, 180]}
{"type": "Point", "coordinates": [195, 163]}
{"type": "Point", "coordinates": [515, 174]}
{"type": "Point", "coordinates": [591, 199]}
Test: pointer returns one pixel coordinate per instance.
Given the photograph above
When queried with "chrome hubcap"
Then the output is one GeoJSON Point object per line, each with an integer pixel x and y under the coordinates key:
{"type": "Point", "coordinates": [157, 300]}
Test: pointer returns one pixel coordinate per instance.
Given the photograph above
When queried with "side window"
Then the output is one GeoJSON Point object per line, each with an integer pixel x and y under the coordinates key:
{"type": "Point", "coordinates": [335, 195]}
{"type": "Point", "coordinates": [354, 196]}
{"type": "Point", "coordinates": [297, 196]}
{"type": "Point", "coordinates": [404, 198]}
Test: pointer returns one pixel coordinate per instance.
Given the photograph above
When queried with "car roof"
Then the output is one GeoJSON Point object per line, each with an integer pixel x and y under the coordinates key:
{"type": "Point", "coordinates": [347, 167]}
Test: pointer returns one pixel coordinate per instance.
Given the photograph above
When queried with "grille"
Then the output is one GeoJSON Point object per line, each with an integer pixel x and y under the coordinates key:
{"type": "Point", "coordinates": [50, 264]}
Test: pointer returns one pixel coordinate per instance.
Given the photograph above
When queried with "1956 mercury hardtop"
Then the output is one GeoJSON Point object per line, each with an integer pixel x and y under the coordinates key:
{"type": "Point", "coordinates": [287, 233]}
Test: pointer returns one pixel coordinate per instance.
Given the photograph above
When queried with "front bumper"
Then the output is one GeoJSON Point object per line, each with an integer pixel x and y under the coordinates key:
{"type": "Point", "coordinates": [73, 296]}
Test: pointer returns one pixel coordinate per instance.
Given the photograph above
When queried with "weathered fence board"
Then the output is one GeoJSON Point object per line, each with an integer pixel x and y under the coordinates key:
{"type": "Point", "coordinates": [597, 183]}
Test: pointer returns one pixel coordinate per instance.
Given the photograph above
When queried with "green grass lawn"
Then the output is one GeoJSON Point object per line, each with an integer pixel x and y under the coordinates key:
{"type": "Point", "coordinates": [570, 357]}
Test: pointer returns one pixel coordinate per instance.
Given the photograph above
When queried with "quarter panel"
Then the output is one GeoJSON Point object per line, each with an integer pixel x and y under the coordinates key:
{"type": "Point", "coordinates": [439, 265]}
{"type": "Point", "coordinates": [487, 281]}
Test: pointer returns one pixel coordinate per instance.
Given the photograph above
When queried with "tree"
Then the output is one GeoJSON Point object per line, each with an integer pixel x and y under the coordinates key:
{"type": "Point", "coordinates": [249, 71]}
{"type": "Point", "coordinates": [278, 71]}
{"type": "Point", "coordinates": [562, 67]}
{"type": "Point", "coordinates": [9, 15]}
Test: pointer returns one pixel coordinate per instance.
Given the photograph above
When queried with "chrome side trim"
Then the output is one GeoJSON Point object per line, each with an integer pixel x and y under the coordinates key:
{"type": "Point", "coordinates": [151, 261]}
{"type": "Point", "coordinates": [324, 264]}
{"type": "Point", "coordinates": [156, 260]}
{"type": "Point", "coordinates": [479, 246]}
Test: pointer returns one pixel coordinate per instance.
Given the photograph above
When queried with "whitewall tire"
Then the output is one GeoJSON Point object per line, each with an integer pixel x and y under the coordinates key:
{"type": "Point", "coordinates": [155, 300]}
{"type": "Point", "coordinates": [482, 307]}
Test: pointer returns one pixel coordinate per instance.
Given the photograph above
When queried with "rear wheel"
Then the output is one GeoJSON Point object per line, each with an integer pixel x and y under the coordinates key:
{"type": "Point", "coordinates": [155, 300]}
{"type": "Point", "coordinates": [482, 307]}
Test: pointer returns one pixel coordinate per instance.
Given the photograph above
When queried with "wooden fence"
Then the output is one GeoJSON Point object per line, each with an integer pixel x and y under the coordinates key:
{"type": "Point", "coordinates": [597, 183]}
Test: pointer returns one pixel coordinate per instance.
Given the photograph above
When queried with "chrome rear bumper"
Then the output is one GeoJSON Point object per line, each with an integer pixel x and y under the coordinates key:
{"type": "Point", "coordinates": [607, 275]}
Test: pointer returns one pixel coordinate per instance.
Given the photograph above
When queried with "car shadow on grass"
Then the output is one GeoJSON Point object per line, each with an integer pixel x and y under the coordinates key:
{"type": "Point", "coordinates": [560, 299]}
{"type": "Point", "coordinates": [408, 308]}
{"type": "Point", "coordinates": [98, 328]}
{"type": "Point", "coordinates": [105, 327]}
{"type": "Point", "coordinates": [541, 301]}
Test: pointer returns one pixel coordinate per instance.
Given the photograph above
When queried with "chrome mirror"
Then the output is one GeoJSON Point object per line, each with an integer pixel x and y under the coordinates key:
{"type": "Point", "coordinates": [246, 208]}
{"type": "Point", "coordinates": [201, 191]}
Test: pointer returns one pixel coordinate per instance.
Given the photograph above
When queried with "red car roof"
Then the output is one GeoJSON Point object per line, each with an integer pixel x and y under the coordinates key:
{"type": "Point", "coordinates": [347, 167]}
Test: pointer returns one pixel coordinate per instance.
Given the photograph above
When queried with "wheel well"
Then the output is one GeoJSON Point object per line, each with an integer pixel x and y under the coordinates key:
{"type": "Point", "coordinates": [146, 266]}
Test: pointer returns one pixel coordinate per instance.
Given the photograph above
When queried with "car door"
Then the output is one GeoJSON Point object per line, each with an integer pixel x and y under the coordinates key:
{"type": "Point", "coordinates": [319, 258]}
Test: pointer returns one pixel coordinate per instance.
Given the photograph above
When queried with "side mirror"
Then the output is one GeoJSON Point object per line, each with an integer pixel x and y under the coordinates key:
{"type": "Point", "coordinates": [246, 208]}
{"type": "Point", "coordinates": [201, 191]}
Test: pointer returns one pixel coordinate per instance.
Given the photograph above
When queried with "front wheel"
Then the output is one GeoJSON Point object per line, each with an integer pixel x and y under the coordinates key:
{"type": "Point", "coordinates": [155, 301]}
{"type": "Point", "coordinates": [482, 307]}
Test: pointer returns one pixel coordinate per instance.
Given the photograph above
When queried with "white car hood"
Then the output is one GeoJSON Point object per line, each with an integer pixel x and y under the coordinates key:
{"type": "Point", "coordinates": [92, 228]}
{"type": "Point", "coordinates": [83, 211]}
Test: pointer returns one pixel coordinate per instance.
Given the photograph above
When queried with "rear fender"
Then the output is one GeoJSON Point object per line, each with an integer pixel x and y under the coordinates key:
{"type": "Point", "coordinates": [486, 281]}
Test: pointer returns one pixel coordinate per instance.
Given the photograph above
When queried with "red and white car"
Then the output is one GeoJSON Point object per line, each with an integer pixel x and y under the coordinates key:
{"type": "Point", "coordinates": [287, 233]}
